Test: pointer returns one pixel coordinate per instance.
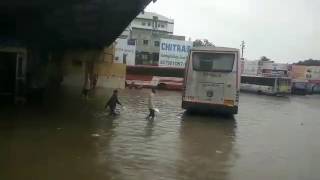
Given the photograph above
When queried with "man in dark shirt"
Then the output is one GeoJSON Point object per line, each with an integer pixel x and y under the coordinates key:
{"type": "Point", "coordinates": [112, 103]}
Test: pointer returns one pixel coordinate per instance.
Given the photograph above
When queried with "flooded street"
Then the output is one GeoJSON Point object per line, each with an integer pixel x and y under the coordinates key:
{"type": "Point", "coordinates": [70, 138]}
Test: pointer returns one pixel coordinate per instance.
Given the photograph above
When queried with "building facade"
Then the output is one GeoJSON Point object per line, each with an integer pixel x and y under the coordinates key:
{"type": "Point", "coordinates": [250, 67]}
{"type": "Point", "coordinates": [147, 30]}
{"type": "Point", "coordinates": [140, 43]}
{"type": "Point", "coordinates": [148, 45]}
{"type": "Point", "coordinates": [153, 22]}
{"type": "Point", "coordinates": [270, 68]}
{"type": "Point", "coordinates": [265, 68]}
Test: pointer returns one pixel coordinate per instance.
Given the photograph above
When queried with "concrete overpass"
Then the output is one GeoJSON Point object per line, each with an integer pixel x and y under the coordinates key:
{"type": "Point", "coordinates": [67, 23]}
{"type": "Point", "coordinates": [36, 32]}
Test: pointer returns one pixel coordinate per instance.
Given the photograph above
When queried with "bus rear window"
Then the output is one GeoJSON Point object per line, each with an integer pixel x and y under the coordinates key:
{"type": "Point", "coordinates": [219, 62]}
{"type": "Point", "coordinates": [261, 81]}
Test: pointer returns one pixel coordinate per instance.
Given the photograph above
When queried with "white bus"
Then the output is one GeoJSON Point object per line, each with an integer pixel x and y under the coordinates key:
{"type": "Point", "coordinates": [278, 86]}
{"type": "Point", "coordinates": [212, 80]}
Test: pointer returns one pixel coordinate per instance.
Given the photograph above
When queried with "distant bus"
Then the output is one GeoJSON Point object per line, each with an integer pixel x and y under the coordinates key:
{"type": "Point", "coordinates": [266, 85]}
{"type": "Point", "coordinates": [142, 76]}
{"type": "Point", "coordinates": [299, 87]}
{"type": "Point", "coordinates": [212, 80]}
{"type": "Point", "coordinates": [313, 87]}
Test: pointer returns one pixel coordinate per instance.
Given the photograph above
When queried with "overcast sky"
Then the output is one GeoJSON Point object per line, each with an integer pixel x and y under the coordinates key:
{"type": "Point", "coordinates": [283, 30]}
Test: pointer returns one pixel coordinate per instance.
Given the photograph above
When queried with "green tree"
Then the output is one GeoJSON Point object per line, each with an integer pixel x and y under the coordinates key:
{"type": "Point", "coordinates": [202, 42]}
{"type": "Point", "coordinates": [309, 62]}
{"type": "Point", "coordinates": [264, 58]}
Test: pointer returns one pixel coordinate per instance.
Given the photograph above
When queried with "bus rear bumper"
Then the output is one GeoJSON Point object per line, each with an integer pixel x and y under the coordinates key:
{"type": "Point", "coordinates": [206, 107]}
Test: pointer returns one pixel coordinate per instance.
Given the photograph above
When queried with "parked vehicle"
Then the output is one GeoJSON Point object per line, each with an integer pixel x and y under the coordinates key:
{"type": "Point", "coordinates": [279, 86]}
{"type": "Point", "coordinates": [212, 78]}
{"type": "Point", "coordinates": [299, 87]}
{"type": "Point", "coordinates": [153, 76]}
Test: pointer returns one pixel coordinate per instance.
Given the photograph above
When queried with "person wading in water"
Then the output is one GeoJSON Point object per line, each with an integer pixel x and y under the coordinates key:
{"type": "Point", "coordinates": [86, 88]}
{"type": "Point", "coordinates": [151, 104]}
{"type": "Point", "coordinates": [112, 103]}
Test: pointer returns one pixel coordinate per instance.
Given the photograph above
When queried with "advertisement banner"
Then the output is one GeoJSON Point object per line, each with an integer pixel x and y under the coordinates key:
{"type": "Point", "coordinates": [174, 53]}
{"type": "Point", "coordinates": [275, 66]}
{"type": "Point", "coordinates": [275, 69]}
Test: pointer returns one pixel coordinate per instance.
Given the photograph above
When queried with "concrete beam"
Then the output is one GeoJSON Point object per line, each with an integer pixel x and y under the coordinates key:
{"type": "Point", "coordinates": [67, 23]}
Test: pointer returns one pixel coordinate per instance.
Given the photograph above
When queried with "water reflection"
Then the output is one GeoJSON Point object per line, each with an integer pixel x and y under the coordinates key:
{"type": "Point", "coordinates": [51, 141]}
{"type": "Point", "coordinates": [149, 127]}
{"type": "Point", "coordinates": [205, 147]}
{"type": "Point", "coordinates": [269, 138]}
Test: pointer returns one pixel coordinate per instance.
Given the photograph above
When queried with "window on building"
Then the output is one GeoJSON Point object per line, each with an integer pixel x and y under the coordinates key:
{"type": "Point", "coordinates": [155, 58]}
{"type": "Point", "coordinates": [162, 25]}
{"type": "Point", "coordinates": [143, 23]}
{"type": "Point", "coordinates": [157, 43]}
{"type": "Point", "coordinates": [149, 23]}
{"type": "Point", "coordinates": [124, 58]}
{"type": "Point", "coordinates": [144, 56]}
{"type": "Point", "coordinates": [155, 18]}
{"type": "Point", "coordinates": [138, 59]}
{"type": "Point", "coordinates": [131, 42]}
{"type": "Point", "coordinates": [145, 42]}
{"type": "Point", "coordinates": [158, 25]}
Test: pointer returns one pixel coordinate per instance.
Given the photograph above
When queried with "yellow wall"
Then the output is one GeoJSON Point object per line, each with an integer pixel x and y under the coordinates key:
{"type": "Point", "coordinates": [111, 75]}
{"type": "Point", "coordinates": [97, 61]}
{"type": "Point", "coordinates": [107, 69]}
{"type": "Point", "coordinates": [109, 53]}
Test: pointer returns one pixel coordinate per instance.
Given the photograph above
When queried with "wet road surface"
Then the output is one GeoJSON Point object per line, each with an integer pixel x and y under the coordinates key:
{"type": "Point", "coordinates": [70, 138]}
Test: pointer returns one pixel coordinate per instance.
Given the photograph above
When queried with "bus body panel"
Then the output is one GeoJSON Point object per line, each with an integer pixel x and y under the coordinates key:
{"type": "Point", "coordinates": [257, 88]}
{"type": "Point", "coordinates": [211, 87]}
{"type": "Point", "coordinates": [283, 86]}
{"type": "Point", "coordinates": [212, 90]}
{"type": "Point", "coordinates": [266, 85]}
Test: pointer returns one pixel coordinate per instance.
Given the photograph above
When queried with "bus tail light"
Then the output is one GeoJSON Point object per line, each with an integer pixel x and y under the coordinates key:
{"type": "Point", "coordinates": [228, 102]}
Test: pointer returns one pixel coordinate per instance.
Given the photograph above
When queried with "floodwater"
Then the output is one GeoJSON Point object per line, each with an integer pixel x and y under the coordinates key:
{"type": "Point", "coordinates": [70, 138]}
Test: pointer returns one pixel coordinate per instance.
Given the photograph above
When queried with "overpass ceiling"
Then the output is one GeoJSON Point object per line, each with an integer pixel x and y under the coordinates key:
{"type": "Point", "coordinates": [67, 23]}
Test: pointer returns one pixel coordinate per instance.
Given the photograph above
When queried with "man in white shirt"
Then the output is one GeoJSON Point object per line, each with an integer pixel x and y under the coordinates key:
{"type": "Point", "coordinates": [151, 104]}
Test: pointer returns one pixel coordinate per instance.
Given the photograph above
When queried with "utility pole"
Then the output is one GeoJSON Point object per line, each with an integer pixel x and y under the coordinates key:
{"type": "Point", "coordinates": [243, 46]}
